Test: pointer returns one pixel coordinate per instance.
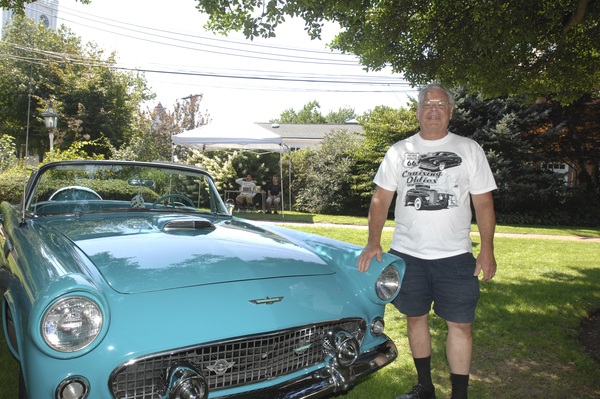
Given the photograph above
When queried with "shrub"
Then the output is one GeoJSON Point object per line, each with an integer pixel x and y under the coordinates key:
{"type": "Point", "coordinates": [323, 179]}
{"type": "Point", "coordinates": [8, 158]}
{"type": "Point", "coordinates": [12, 184]}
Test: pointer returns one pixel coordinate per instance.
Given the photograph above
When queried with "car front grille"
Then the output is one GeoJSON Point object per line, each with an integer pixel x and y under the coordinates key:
{"type": "Point", "coordinates": [235, 362]}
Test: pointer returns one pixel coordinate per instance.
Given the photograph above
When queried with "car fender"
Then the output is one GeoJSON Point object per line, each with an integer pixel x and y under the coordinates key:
{"type": "Point", "coordinates": [345, 256]}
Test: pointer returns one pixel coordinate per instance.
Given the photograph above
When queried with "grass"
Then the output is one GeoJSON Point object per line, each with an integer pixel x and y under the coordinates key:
{"type": "Point", "coordinates": [525, 332]}
{"type": "Point", "coordinates": [361, 220]}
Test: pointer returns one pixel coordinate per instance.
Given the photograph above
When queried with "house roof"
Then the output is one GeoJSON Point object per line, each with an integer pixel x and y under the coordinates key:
{"type": "Point", "coordinates": [308, 131]}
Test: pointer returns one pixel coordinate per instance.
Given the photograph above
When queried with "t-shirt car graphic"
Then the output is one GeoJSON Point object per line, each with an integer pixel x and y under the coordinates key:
{"type": "Point", "coordinates": [439, 160]}
{"type": "Point", "coordinates": [423, 197]}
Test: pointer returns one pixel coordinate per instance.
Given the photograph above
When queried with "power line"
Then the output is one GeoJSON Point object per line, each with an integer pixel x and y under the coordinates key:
{"type": "Point", "coordinates": [73, 59]}
{"type": "Point", "coordinates": [333, 83]}
{"type": "Point", "coordinates": [231, 51]}
{"type": "Point", "coordinates": [245, 43]}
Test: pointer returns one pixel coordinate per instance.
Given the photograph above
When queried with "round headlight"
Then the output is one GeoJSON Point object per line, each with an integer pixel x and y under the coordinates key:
{"type": "Point", "coordinates": [388, 283]}
{"type": "Point", "coordinates": [71, 323]}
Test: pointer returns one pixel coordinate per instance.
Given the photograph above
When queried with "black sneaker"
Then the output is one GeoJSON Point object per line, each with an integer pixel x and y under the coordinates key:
{"type": "Point", "coordinates": [275, 212]}
{"type": "Point", "coordinates": [418, 392]}
{"type": "Point", "coordinates": [268, 212]}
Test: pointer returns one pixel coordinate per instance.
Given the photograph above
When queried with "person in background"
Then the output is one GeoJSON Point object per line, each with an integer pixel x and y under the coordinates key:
{"type": "Point", "coordinates": [432, 235]}
{"type": "Point", "coordinates": [274, 195]}
{"type": "Point", "coordinates": [248, 190]}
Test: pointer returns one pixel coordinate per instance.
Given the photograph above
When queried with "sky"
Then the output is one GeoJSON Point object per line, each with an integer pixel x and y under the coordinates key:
{"type": "Point", "coordinates": [240, 79]}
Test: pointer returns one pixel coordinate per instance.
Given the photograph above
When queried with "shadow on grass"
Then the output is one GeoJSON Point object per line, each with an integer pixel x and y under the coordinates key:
{"type": "Point", "coordinates": [526, 336]}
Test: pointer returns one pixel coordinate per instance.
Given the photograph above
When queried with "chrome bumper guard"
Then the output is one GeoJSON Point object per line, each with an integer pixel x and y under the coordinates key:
{"type": "Point", "coordinates": [330, 379]}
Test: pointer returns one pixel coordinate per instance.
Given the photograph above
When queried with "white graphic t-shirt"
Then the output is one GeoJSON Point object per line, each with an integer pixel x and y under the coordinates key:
{"type": "Point", "coordinates": [247, 188]}
{"type": "Point", "coordinates": [434, 180]}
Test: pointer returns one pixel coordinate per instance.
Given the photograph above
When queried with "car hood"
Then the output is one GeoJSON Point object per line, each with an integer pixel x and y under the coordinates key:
{"type": "Point", "coordinates": [139, 255]}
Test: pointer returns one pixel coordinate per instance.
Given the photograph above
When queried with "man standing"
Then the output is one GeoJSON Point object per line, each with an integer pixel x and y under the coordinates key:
{"type": "Point", "coordinates": [432, 234]}
{"type": "Point", "coordinates": [274, 195]}
{"type": "Point", "coordinates": [247, 192]}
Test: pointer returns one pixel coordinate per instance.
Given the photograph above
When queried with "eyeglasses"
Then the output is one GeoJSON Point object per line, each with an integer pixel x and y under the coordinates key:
{"type": "Point", "coordinates": [440, 104]}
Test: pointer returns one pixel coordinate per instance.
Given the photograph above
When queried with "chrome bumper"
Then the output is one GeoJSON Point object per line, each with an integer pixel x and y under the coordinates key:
{"type": "Point", "coordinates": [330, 379]}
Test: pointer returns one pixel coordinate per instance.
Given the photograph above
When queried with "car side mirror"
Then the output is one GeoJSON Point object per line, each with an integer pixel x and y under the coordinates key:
{"type": "Point", "coordinates": [230, 204]}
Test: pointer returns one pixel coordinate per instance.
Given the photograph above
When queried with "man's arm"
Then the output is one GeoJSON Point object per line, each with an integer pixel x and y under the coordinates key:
{"type": "Point", "coordinates": [486, 222]}
{"type": "Point", "coordinates": [380, 205]}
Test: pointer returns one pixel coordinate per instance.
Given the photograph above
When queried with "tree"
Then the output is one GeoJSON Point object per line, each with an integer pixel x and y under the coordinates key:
{"type": "Point", "coordinates": [152, 139]}
{"type": "Point", "coordinates": [310, 114]}
{"type": "Point", "coordinates": [93, 99]}
{"type": "Point", "coordinates": [532, 48]}
{"type": "Point", "coordinates": [515, 137]}
{"type": "Point", "coordinates": [579, 141]}
{"type": "Point", "coordinates": [18, 6]}
{"type": "Point", "coordinates": [340, 116]}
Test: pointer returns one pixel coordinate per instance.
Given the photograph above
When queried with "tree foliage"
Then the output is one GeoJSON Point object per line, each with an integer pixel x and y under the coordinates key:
{"type": "Point", "coordinates": [92, 99]}
{"type": "Point", "coordinates": [521, 141]}
{"type": "Point", "coordinates": [323, 175]}
{"type": "Point", "coordinates": [578, 145]}
{"type": "Point", "coordinates": [18, 6]}
{"type": "Point", "coordinates": [8, 155]}
{"type": "Point", "coordinates": [512, 135]}
{"type": "Point", "coordinates": [152, 138]}
{"type": "Point", "coordinates": [310, 114]}
{"type": "Point", "coordinates": [532, 48]}
{"type": "Point", "coordinates": [341, 116]}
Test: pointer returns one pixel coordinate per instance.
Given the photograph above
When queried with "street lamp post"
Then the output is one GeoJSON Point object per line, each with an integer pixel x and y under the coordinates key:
{"type": "Point", "coordinates": [51, 120]}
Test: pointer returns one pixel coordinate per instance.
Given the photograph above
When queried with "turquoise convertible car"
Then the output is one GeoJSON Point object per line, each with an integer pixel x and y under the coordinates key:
{"type": "Point", "coordinates": [132, 280]}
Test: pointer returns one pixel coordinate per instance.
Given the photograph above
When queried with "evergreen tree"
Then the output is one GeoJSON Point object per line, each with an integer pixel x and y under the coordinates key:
{"type": "Point", "coordinates": [513, 135]}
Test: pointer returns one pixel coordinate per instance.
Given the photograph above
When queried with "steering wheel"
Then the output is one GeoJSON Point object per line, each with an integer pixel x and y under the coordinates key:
{"type": "Point", "coordinates": [172, 196]}
{"type": "Point", "coordinates": [75, 193]}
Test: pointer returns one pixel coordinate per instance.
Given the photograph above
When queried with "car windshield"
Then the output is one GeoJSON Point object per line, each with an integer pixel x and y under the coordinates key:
{"type": "Point", "coordinates": [77, 187]}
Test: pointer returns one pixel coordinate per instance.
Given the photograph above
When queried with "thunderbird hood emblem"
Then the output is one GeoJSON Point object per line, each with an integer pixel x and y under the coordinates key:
{"type": "Point", "coordinates": [266, 301]}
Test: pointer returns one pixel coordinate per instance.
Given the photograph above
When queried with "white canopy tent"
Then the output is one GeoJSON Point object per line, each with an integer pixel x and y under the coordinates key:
{"type": "Point", "coordinates": [227, 136]}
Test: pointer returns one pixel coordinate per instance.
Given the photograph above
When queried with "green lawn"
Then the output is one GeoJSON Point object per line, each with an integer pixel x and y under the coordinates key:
{"type": "Point", "coordinates": [360, 220]}
{"type": "Point", "coordinates": [526, 329]}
